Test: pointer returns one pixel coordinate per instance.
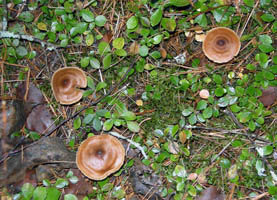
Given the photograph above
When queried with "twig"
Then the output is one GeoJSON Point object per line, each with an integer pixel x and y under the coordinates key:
{"type": "Point", "coordinates": [261, 196]}
{"type": "Point", "coordinates": [248, 18]}
{"type": "Point", "coordinates": [7, 34]}
{"type": "Point", "coordinates": [137, 145]}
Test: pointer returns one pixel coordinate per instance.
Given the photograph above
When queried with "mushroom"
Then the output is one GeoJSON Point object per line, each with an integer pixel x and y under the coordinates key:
{"type": "Point", "coordinates": [221, 44]}
{"type": "Point", "coordinates": [65, 83]}
{"type": "Point", "coordinates": [99, 156]}
{"type": "Point", "coordinates": [204, 94]}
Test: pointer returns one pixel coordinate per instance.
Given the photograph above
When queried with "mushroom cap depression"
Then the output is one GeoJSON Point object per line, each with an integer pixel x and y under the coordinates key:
{"type": "Point", "coordinates": [99, 156]}
{"type": "Point", "coordinates": [221, 44]}
{"type": "Point", "coordinates": [65, 83]}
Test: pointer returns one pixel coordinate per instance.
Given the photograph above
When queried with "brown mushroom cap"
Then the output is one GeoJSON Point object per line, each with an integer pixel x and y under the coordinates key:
{"type": "Point", "coordinates": [221, 44]}
{"type": "Point", "coordinates": [65, 83]}
{"type": "Point", "coordinates": [99, 156]}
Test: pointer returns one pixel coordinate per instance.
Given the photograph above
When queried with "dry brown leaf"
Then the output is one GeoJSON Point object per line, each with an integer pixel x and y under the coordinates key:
{"type": "Point", "coordinates": [163, 53]}
{"type": "Point", "coordinates": [269, 96]}
{"type": "Point", "coordinates": [211, 193]}
{"type": "Point", "coordinates": [182, 137]}
{"type": "Point", "coordinates": [134, 48]}
{"type": "Point", "coordinates": [40, 120]}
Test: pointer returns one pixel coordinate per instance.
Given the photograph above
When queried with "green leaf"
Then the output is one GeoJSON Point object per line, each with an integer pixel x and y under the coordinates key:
{"type": "Point", "coordinates": [266, 48]}
{"type": "Point", "coordinates": [265, 39]}
{"type": "Point", "coordinates": [87, 15]}
{"type": "Point", "coordinates": [77, 123]}
{"type": "Point", "coordinates": [267, 17]}
{"type": "Point", "coordinates": [208, 113]}
{"type": "Point", "coordinates": [108, 124]}
{"type": "Point", "coordinates": [120, 52]}
{"type": "Point", "coordinates": [104, 48]}
{"type": "Point", "coordinates": [91, 83]}
{"type": "Point", "coordinates": [89, 39]}
{"type": "Point", "coordinates": [143, 51]}
{"type": "Point", "coordinates": [179, 3]}
{"type": "Point", "coordinates": [264, 151]}
{"type": "Point", "coordinates": [96, 124]}
{"type": "Point", "coordinates": [26, 16]}
{"type": "Point", "coordinates": [128, 115]}
{"type": "Point", "coordinates": [156, 17]}
{"type": "Point", "coordinates": [168, 24]}
{"type": "Point", "coordinates": [94, 63]}
{"type": "Point", "coordinates": [118, 193]}
{"type": "Point", "coordinates": [133, 126]}
{"type": "Point", "coordinates": [27, 190]}
{"type": "Point", "coordinates": [157, 39]}
{"type": "Point", "coordinates": [61, 183]}
{"type": "Point", "coordinates": [180, 186]}
{"type": "Point", "coordinates": [118, 43]}
{"type": "Point", "coordinates": [187, 112]}
{"type": "Point", "coordinates": [201, 20]}
{"type": "Point", "coordinates": [192, 119]}
{"type": "Point", "coordinates": [21, 51]}
{"type": "Point", "coordinates": [180, 171]}
{"type": "Point", "coordinates": [192, 190]}
{"type": "Point", "coordinates": [249, 3]}
{"type": "Point", "coordinates": [84, 62]}
{"type": "Point", "coordinates": [201, 105]}
{"type": "Point", "coordinates": [217, 79]}
{"type": "Point", "coordinates": [70, 197]}
{"type": "Point", "coordinates": [219, 91]}
{"type": "Point", "coordinates": [132, 22]}
{"type": "Point", "coordinates": [145, 21]}
{"type": "Point", "coordinates": [244, 117]}
{"type": "Point", "coordinates": [100, 20]}
{"type": "Point", "coordinates": [100, 86]}
{"type": "Point", "coordinates": [272, 190]}
{"type": "Point", "coordinates": [40, 193]}
{"type": "Point", "coordinates": [107, 60]}
{"type": "Point", "coordinates": [53, 193]}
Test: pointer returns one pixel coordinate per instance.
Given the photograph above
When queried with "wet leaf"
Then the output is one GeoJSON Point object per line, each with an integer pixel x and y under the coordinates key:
{"type": "Point", "coordinates": [87, 15]}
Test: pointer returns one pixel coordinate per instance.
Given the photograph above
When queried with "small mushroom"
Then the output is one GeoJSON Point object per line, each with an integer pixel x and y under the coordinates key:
{"type": "Point", "coordinates": [99, 156]}
{"type": "Point", "coordinates": [65, 83]}
{"type": "Point", "coordinates": [221, 44]}
{"type": "Point", "coordinates": [204, 94]}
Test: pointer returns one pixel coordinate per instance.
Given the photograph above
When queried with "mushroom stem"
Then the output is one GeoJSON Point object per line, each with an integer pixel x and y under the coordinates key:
{"type": "Point", "coordinates": [137, 145]}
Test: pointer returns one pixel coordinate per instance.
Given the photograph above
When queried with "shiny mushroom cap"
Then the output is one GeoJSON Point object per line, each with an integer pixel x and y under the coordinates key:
{"type": "Point", "coordinates": [65, 83]}
{"type": "Point", "coordinates": [221, 44]}
{"type": "Point", "coordinates": [99, 156]}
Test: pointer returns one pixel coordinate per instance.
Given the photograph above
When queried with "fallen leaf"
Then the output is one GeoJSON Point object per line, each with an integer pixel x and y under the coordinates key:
{"type": "Point", "coordinates": [163, 53]}
{"type": "Point", "coordinates": [182, 137]}
{"type": "Point", "coordinates": [45, 124]}
{"type": "Point", "coordinates": [134, 48]}
{"type": "Point", "coordinates": [34, 94]}
{"type": "Point", "coordinates": [269, 96]}
{"type": "Point", "coordinates": [211, 193]}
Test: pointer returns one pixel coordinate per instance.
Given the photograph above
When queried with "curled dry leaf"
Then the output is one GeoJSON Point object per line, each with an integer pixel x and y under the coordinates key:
{"type": "Point", "coordinates": [269, 96]}
{"type": "Point", "coordinates": [163, 53]}
{"type": "Point", "coordinates": [211, 193]}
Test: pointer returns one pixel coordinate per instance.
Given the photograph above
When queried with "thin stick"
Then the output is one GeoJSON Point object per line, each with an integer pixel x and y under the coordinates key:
{"type": "Point", "coordinates": [248, 18]}
{"type": "Point", "coordinates": [137, 145]}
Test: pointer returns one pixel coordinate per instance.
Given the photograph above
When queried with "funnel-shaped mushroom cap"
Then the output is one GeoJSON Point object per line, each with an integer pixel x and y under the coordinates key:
{"type": "Point", "coordinates": [221, 44]}
{"type": "Point", "coordinates": [99, 156]}
{"type": "Point", "coordinates": [65, 83]}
